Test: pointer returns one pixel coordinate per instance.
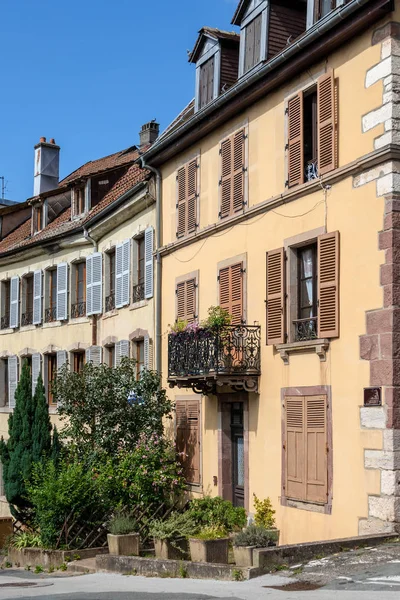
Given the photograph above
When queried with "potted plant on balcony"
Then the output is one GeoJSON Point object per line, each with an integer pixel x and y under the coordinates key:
{"type": "Point", "coordinates": [218, 318]}
{"type": "Point", "coordinates": [122, 537]}
{"type": "Point", "coordinates": [171, 536]}
{"type": "Point", "coordinates": [254, 536]}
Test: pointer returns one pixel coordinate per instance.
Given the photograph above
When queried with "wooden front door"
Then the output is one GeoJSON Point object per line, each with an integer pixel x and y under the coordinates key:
{"type": "Point", "coordinates": [237, 440]}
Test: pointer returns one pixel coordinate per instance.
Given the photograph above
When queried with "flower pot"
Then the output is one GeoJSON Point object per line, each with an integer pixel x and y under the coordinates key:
{"type": "Point", "coordinates": [209, 551]}
{"type": "Point", "coordinates": [177, 550]}
{"type": "Point", "coordinates": [123, 545]}
{"type": "Point", "coordinates": [243, 555]}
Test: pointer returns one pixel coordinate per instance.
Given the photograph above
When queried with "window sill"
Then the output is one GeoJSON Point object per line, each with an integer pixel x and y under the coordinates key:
{"type": "Point", "coordinates": [28, 328]}
{"type": "Point", "coordinates": [5, 409]}
{"type": "Point", "coordinates": [52, 324]}
{"type": "Point", "coordinates": [111, 313]}
{"type": "Point", "coordinates": [140, 304]}
{"type": "Point", "coordinates": [304, 505]}
{"type": "Point", "coordinates": [320, 347]}
{"type": "Point", "coordinates": [6, 331]}
{"type": "Point", "coordinates": [78, 320]}
{"type": "Point", "coordinates": [53, 409]}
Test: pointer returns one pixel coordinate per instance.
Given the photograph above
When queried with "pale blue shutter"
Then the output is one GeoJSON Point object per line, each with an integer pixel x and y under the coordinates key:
{"type": "Point", "coordinates": [12, 379]}
{"type": "Point", "coordinates": [36, 365]}
{"type": "Point", "coordinates": [37, 297]}
{"type": "Point", "coordinates": [62, 292]}
{"type": "Point", "coordinates": [148, 353]}
{"type": "Point", "coordinates": [89, 263]}
{"type": "Point", "coordinates": [94, 355]}
{"type": "Point", "coordinates": [148, 259]}
{"type": "Point", "coordinates": [94, 284]}
{"type": "Point", "coordinates": [61, 358]}
{"type": "Point", "coordinates": [119, 258]}
{"type": "Point", "coordinates": [126, 271]}
{"type": "Point", "coordinates": [14, 302]}
{"type": "Point", "coordinates": [122, 349]}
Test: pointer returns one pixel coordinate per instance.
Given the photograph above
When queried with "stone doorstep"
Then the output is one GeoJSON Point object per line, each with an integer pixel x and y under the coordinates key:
{"type": "Point", "coordinates": [87, 565]}
{"type": "Point", "coordinates": [266, 559]}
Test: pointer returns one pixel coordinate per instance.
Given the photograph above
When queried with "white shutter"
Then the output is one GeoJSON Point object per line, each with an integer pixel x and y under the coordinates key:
{"type": "Point", "coordinates": [118, 275]}
{"type": "Point", "coordinates": [121, 350]}
{"type": "Point", "coordinates": [148, 353]}
{"type": "Point", "coordinates": [61, 358]}
{"type": "Point", "coordinates": [14, 302]}
{"type": "Point", "coordinates": [12, 379]}
{"type": "Point", "coordinates": [62, 291]}
{"type": "Point", "coordinates": [94, 355]}
{"type": "Point", "coordinates": [36, 364]}
{"type": "Point", "coordinates": [148, 259]}
{"type": "Point", "coordinates": [37, 297]}
{"type": "Point", "coordinates": [89, 263]}
{"type": "Point", "coordinates": [126, 271]}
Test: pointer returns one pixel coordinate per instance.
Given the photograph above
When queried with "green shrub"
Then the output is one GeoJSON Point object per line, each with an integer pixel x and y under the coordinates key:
{"type": "Point", "coordinates": [217, 318]}
{"type": "Point", "coordinates": [264, 516]}
{"type": "Point", "coordinates": [216, 512]}
{"type": "Point", "coordinates": [254, 535]}
{"type": "Point", "coordinates": [211, 532]}
{"type": "Point", "coordinates": [26, 539]}
{"type": "Point", "coordinates": [178, 525]}
{"type": "Point", "coordinates": [122, 525]}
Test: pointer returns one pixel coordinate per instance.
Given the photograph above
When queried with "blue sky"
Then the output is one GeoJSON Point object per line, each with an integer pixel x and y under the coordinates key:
{"type": "Point", "coordinates": [90, 72]}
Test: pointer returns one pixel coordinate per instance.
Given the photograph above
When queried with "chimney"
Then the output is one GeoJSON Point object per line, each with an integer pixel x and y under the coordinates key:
{"type": "Point", "coordinates": [149, 133]}
{"type": "Point", "coordinates": [47, 159]}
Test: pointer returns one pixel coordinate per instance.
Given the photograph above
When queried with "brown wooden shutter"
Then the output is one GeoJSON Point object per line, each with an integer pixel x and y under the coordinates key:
{"type": "Point", "coordinates": [231, 291]}
{"type": "Point", "coordinates": [187, 199]}
{"type": "Point", "coordinates": [294, 447]}
{"type": "Point", "coordinates": [188, 438]}
{"type": "Point", "coordinates": [326, 123]}
{"type": "Point", "coordinates": [296, 142]}
{"type": "Point", "coordinates": [316, 444]}
{"type": "Point", "coordinates": [182, 202]}
{"type": "Point", "coordinates": [276, 296]}
{"type": "Point", "coordinates": [232, 173]}
{"type": "Point", "coordinates": [192, 196]}
{"type": "Point", "coordinates": [186, 300]}
{"type": "Point", "coordinates": [328, 285]}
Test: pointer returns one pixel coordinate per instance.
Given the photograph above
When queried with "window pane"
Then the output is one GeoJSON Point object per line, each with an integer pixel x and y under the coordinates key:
{"type": "Point", "coordinates": [326, 7]}
{"type": "Point", "coordinates": [307, 263]}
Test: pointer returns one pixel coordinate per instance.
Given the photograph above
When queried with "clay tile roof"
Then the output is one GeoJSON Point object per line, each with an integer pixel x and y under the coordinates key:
{"type": "Point", "coordinates": [16, 237]}
{"type": "Point", "coordinates": [112, 161]}
{"type": "Point", "coordinates": [218, 34]}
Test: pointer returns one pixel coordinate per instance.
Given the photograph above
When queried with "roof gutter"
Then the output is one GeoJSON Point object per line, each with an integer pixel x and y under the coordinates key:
{"type": "Point", "coordinates": [321, 27]}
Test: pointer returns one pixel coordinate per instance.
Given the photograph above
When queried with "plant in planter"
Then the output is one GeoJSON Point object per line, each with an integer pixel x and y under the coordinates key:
{"type": "Point", "coordinates": [179, 326]}
{"type": "Point", "coordinates": [254, 536]}
{"type": "Point", "coordinates": [171, 536]}
{"type": "Point", "coordinates": [210, 545]}
{"type": "Point", "coordinates": [217, 318]}
{"type": "Point", "coordinates": [123, 539]}
{"type": "Point", "coordinates": [218, 513]}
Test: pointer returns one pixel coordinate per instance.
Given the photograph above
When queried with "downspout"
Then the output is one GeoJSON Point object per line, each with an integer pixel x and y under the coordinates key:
{"type": "Point", "coordinates": [94, 317]}
{"type": "Point", "coordinates": [158, 335]}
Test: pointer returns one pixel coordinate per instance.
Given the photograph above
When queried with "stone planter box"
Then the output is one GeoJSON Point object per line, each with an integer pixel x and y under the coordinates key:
{"type": "Point", "coordinates": [209, 551]}
{"type": "Point", "coordinates": [34, 557]}
{"type": "Point", "coordinates": [243, 555]}
{"type": "Point", "coordinates": [166, 551]}
{"type": "Point", "coordinates": [123, 545]}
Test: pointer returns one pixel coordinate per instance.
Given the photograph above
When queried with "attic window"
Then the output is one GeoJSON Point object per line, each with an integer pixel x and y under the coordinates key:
{"type": "Point", "coordinates": [79, 200]}
{"type": "Point", "coordinates": [252, 50]}
{"type": "Point", "coordinates": [37, 219]}
{"type": "Point", "coordinates": [206, 83]}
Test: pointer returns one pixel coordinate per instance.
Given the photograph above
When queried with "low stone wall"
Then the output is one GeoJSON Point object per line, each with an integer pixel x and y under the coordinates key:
{"type": "Point", "coordinates": [156, 567]}
{"type": "Point", "coordinates": [267, 559]}
{"type": "Point", "coordinates": [49, 558]}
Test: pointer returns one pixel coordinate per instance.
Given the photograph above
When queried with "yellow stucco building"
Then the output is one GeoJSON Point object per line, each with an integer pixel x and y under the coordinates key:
{"type": "Point", "coordinates": [280, 204]}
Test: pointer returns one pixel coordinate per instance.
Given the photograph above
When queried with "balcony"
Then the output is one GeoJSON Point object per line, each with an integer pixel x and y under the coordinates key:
{"type": "Point", "coordinates": [78, 310]}
{"type": "Point", "coordinates": [50, 314]}
{"type": "Point", "coordinates": [138, 293]}
{"type": "Point", "coordinates": [205, 359]}
{"type": "Point", "coordinates": [305, 329]}
{"type": "Point", "coordinates": [27, 318]}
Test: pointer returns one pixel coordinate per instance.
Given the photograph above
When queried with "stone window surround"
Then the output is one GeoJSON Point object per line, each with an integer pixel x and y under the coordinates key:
{"type": "Point", "coordinates": [187, 277]}
{"type": "Point", "coordinates": [195, 487]}
{"type": "Point", "coordinates": [318, 390]}
{"type": "Point", "coordinates": [228, 262]}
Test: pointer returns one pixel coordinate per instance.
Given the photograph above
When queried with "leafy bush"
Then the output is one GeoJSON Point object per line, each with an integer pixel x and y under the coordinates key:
{"type": "Point", "coordinates": [122, 525]}
{"type": "Point", "coordinates": [217, 318]}
{"type": "Point", "coordinates": [179, 525]}
{"type": "Point", "coordinates": [179, 326]}
{"type": "Point", "coordinates": [211, 532]}
{"type": "Point", "coordinates": [26, 539]}
{"type": "Point", "coordinates": [216, 512]}
{"type": "Point", "coordinates": [264, 516]}
{"type": "Point", "coordinates": [255, 535]}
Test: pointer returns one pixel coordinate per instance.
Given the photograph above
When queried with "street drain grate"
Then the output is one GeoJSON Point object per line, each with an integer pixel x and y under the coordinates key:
{"type": "Point", "coordinates": [17, 584]}
{"type": "Point", "coordinates": [295, 586]}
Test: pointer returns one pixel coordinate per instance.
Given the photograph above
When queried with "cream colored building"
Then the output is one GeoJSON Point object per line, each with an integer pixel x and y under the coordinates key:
{"type": "Point", "coordinates": [76, 270]}
{"type": "Point", "coordinates": [280, 201]}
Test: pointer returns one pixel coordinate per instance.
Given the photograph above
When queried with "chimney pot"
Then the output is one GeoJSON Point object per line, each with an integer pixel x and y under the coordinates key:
{"type": "Point", "coordinates": [149, 133]}
{"type": "Point", "coordinates": [52, 141]}
{"type": "Point", "coordinates": [42, 140]}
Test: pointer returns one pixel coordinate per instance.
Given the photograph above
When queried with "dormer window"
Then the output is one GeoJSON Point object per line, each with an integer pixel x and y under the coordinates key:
{"type": "Point", "coordinates": [38, 218]}
{"type": "Point", "coordinates": [78, 203]}
{"type": "Point", "coordinates": [318, 9]}
{"type": "Point", "coordinates": [266, 28]}
{"type": "Point", "coordinates": [216, 56]}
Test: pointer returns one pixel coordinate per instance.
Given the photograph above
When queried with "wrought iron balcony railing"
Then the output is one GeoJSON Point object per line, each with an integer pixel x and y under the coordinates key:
{"type": "Point", "coordinates": [5, 322]}
{"type": "Point", "coordinates": [204, 358]}
{"type": "Point", "coordinates": [27, 318]}
{"type": "Point", "coordinates": [110, 302]}
{"type": "Point", "coordinates": [50, 314]}
{"type": "Point", "coordinates": [306, 329]}
{"type": "Point", "coordinates": [78, 310]}
{"type": "Point", "coordinates": [138, 292]}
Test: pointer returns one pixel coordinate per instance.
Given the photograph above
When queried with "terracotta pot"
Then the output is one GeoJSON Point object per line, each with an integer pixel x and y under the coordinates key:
{"type": "Point", "coordinates": [123, 545]}
{"type": "Point", "coordinates": [209, 551]}
{"type": "Point", "coordinates": [179, 550]}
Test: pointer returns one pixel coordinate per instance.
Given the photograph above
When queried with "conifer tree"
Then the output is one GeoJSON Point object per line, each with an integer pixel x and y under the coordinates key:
{"type": "Point", "coordinates": [55, 447]}
{"type": "Point", "coordinates": [41, 427]}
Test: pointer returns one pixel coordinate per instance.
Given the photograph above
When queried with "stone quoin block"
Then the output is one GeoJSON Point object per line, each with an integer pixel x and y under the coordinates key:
{"type": "Point", "coordinates": [384, 507]}
{"type": "Point", "coordinates": [390, 345]}
{"type": "Point", "coordinates": [390, 483]}
{"type": "Point", "coordinates": [376, 117]}
{"type": "Point", "coordinates": [379, 321]}
{"type": "Point", "coordinates": [373, 417]}
{"type": "Point", "coordinates": [369, 347]}
{"type": "Point", "coordinates": [379, 459]}
{"type": "Point", "coordinates": [387, 184]}
{"type": "Point", "coordinates": [391, 440]}
{"type": "Point", "coordinates": [390, 274]}
{"type": "Point", "coordinates": [391, 296]}
{"type": "Point", "coordinates": [385, 372]}
{"type": "Point", "coordinates": [371, 526]}
{"type": "Point", "coordinates": [372, 174]}
{"type": "Point", "coordinates": [379, 71]}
